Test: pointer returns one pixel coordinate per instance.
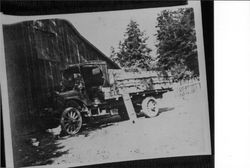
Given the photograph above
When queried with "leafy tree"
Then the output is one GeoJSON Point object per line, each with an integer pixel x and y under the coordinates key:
{"type": "Point", "coordinates": [176, 47]}
{"type": "Point", "coordinates": [133, 51]}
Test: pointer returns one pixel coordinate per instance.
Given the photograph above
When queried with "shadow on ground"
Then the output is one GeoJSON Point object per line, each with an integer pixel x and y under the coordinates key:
{"type": "Point", "coordinates": [30, 155]}
{"type": "Point", "coordinates": [99, 124]}
{"type": "Point", "coordinates": [166, 109]}
{"type": "Point", "coordinates": [49, 148]}
{"type": "Point", "coordinates": [110, 121]}
{"type": "Point", "coordinates": [90, 129]}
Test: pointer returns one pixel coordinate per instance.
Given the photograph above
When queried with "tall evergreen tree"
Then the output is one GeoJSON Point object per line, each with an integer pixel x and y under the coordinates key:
{"type": "Point", "coordinates": [176, 48]}
{"type": "Point", "coordinates": [133, 51]}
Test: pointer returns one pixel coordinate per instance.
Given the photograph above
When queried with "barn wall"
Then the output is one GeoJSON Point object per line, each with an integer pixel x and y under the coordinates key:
{"type": "Point", "coordinates": [16, 68]}
{"type": "Point", "coordinates": [35, 53]}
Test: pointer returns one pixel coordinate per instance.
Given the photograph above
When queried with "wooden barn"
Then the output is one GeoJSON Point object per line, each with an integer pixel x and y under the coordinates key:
{"type": "Point", "coordinates": [35, 52]}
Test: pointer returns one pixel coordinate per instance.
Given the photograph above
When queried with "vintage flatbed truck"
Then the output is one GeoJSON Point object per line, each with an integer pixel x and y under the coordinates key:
{"type": "Point", "coordinates": [89, 90]}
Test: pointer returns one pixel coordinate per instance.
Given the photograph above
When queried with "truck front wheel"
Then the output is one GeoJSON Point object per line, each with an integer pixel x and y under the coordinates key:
{"type": "Point", "coordinates": [71, 120]}
{"type": "Point", "coordinates": [150, 107]}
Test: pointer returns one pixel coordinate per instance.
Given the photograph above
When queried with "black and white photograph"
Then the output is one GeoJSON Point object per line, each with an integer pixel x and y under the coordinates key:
{"type": "Point", "coordinates": [102, 87]}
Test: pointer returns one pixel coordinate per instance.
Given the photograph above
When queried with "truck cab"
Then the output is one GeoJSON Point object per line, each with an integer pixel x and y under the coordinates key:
{"type": "Point", "coordinates": [80, 96]}
{"type": "Point", "coordinates": [83, 82]}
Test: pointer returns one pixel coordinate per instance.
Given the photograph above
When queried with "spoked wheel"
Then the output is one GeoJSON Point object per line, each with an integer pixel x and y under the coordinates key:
{"type": "Point", "coordinates": [150, 107]}
{"type": "Point", "coordinates": [71, 120]}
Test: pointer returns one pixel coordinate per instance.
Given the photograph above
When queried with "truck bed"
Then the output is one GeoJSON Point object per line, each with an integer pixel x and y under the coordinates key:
{"type": "Point", "coordinates": [122, 82]}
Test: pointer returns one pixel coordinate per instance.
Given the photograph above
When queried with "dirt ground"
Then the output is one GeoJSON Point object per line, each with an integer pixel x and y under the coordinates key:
{"type": "Point", "coordinates": [177, 131]}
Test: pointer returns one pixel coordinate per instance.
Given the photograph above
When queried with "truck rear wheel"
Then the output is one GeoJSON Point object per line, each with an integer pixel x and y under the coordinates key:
{"type": "Point", "coordinates": [150, 107]}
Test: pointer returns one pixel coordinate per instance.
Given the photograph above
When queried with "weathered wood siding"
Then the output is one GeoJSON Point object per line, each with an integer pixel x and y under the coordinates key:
{"type": "Point", "coordinates": [35, 53]}
{"type": "Point", "coordinates": [136, 82]}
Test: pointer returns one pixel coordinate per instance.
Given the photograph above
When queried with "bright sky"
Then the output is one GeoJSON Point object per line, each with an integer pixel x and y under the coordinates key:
{"type": "Point", "coordinates": [105, 29]}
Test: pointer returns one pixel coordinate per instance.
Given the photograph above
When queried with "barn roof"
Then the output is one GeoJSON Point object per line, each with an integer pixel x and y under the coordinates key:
{"type": "Point", "coordinates": [74, 30]}
{"type": "Point", "coordinates": [84, 39]}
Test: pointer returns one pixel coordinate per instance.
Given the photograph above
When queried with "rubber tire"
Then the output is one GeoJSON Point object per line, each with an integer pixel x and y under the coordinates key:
{"type": "Point", "coordinates": [148, 113]}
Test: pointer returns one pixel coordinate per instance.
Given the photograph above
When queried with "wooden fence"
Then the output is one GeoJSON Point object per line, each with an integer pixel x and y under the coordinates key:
{"type": "Point", "coordinates": [186, 87]}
